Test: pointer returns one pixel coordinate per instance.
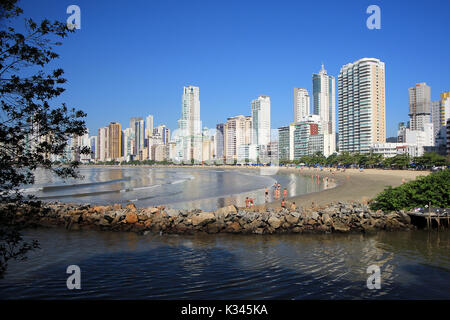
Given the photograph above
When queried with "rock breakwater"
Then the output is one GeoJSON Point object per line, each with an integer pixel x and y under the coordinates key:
{"type": "Point", "coordinates": [336, 217]}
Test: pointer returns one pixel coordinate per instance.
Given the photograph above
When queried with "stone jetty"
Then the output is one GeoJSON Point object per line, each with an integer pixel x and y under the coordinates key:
{"type": "Point", "coordinates": [336, 217]}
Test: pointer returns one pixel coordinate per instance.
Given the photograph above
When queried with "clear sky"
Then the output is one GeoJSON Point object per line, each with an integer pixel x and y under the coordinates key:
{"type": "Point", "coordinates": [132, 58]}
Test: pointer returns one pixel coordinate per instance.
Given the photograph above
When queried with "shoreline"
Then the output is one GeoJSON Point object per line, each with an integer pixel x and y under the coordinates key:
{"type": "Point", "coordinates": [349, 186]}
{"type": "Point", "coordinates": [339, 209]}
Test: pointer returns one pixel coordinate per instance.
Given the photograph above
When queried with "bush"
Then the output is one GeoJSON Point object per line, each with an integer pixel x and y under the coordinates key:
{"type": "Point", "coordinates": [434, 189]}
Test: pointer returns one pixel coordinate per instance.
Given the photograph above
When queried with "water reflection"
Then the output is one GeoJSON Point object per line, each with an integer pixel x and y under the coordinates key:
{"type": "Point", "coordinates": [414, 265]}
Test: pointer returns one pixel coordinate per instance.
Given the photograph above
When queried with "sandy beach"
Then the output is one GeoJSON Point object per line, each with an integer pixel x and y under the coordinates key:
{"type": "Point", "coordinates": [351, 185]}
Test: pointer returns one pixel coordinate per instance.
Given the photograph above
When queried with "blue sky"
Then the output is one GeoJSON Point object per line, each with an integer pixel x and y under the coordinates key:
{"type": "Point", "coordinates": [132, 58]}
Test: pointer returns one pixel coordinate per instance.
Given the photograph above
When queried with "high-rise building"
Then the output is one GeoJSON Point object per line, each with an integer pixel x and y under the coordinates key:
{"type": "Point", "coordinates": [163, 132]}
{"type": "Point", "coordinates": [127, 144]}
{"type": "Point", "coordinates": [139, 138]}
{"type": "Point", "coordinates": [324, 105]}
{"type": "Point", "coordinates": [361, 105]}
{"type": "Point", "coordinates": [261, 121]}
{"type": "Point", "coordinates": [148, 126]}
{"type": "Point", "coordinates": [286, 142]}
{"type": "Point", "coordinates": [219, 139]}
{"type": "Point", "coordinates": [189, 138]}
{"type": "Point", "coordinates": [93, 144]}
{"type": "Point", "coordinates": [115, 140]}
{"type": "Point", "coordinates": [445, 108]}
{"type": "Point", "coordinates": [419, 106]}
{"type": "Point", "coordinates": [103, 144]}
{"type": "Point", "coordinates": [133, 121]}
{"type": "Point", "coordinates": [436, 117]}
{"type": "Point", "coordinates": [237, 132]}
{"type": "Point", "coordinates": [308, 137]}
{"type": "Point", "coordinates": [301, 104]}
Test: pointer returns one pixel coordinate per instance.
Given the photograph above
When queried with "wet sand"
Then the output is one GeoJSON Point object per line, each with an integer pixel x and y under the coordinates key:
{"type": "Point", "coordinates": [352, 185]}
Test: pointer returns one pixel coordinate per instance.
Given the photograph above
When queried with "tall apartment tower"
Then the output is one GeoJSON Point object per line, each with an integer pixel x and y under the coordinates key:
{"type": "Point", "coordinates": [103, 144]}
{"type": "Point", "coordinates": [189, 144]}
{"type": "Point", "coordinates": [419, 106]}
{"type": "Point", "coordinates": [139, 137]}
{"type": "Point", "coordinates": [115, 140]}
{"type": "Point", "coordinates": [445, 108]}
{"type": "Point", "coordinates": [324, 105]}
{"type": "Point", "coordinates": [361, 105]}
{"type": "Point", "coordinates": [148, 126]}
{"type": "Point", "coordinates": [261, 121]}
{"type": "Point", "coordinates": [220, 142]}
{"type": "Point", "coordinates": [237, 133]}
{"type": "Point", "coordinates": [301, 104]}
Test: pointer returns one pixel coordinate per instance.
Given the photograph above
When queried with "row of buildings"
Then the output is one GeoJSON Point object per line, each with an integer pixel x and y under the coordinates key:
{"type": "Point", "coordinates": [362, 117]}
{"type": "Point", "coordinates": [360, 127]}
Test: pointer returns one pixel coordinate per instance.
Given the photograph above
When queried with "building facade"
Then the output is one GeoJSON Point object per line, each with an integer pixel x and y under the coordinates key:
{"type": "Point", "coordinates": [361, 105]}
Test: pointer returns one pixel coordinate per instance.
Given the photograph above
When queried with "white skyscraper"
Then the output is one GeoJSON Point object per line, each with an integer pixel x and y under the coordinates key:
{"type": "Point", "coordinates": [148, 126]}
{"type": "Point", "coordinates": [189, 138]}
{"type": "Point", "coordinates": [324, 105]}
{"type": "Point", "coordinates": [301, 104]}
{"type": "Point", "coordinates": [362, 103]}
{"type": "Point", "coordinates": [261, 121]}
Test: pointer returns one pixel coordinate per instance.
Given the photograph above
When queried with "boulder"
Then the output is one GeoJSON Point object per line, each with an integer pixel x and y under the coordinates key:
{"type": "Point", "coordinates": [340, 227]}
{"type": "Point", "coordinates": [291, 219]}
{"type": "Point", "coordinates": [131, 217]}
{"type": "Point", "coordinates": [274, 222]}
{"type": "Point", "coordinates": [131, 207]}
{"type": "Point", "coordinates": [225, 211]}
{"type": "Point", "coordinates": [203, 218]}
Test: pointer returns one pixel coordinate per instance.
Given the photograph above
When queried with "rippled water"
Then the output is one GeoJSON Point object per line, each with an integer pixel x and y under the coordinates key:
{"type": "Point", "coordinates": [414, 265]}
{"type": "Point", "coordinates": [185, 188]}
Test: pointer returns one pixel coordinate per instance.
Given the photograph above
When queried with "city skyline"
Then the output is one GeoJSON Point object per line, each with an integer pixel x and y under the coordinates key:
{"type": "Point", "coordinates": [141, 71]}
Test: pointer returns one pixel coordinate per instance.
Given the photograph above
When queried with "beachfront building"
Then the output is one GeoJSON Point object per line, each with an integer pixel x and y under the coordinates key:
{"type": "Point", "coordinates": [127, 144]}
{"type": "Point", "coordinates": [148, 126]}
{"type": "Point", "coordinates": [163, 132]}
{"type": "Point", "coordinates": [260, 108]}
{"type": "Point", "coordinates": [391, 149]}
{"type": "Point", "coordinates": [448, 136]}
{"type": "Point", "coordinates": [139, 139]}
{"type": "Point", "coordinates": [361, 105]}
{"type": "Point", "coordinates": [103, 144]}
{"type": "Point", "coordinates": [189, 137]}
{"type": "Point", "coordinates": [419, 138]}
{"type": "Point", "coordinates": [324, 105]}
{"type": "Point", "coordinates": [286, 142]}
{"type": "Point", "coordinates": [93, 145]}
{"type": "Point", "coordinates": [419, 106]}
{"type": "Point", "coordinates": [308, 137]}
{"type": "Point", "coordinates": [301, 104]}
{"type": "Point", "coordinates": [115, 141]}
{"type": "Point", "coordinates": [237, 132]}
{"type": "Point", "coordinates": [219, 141]}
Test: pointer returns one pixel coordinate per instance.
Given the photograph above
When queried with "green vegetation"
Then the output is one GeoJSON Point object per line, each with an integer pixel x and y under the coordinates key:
{"type": "Point", "coordinates": [434, 189]}
{"type": "Point", "coordinates": [372, 160]}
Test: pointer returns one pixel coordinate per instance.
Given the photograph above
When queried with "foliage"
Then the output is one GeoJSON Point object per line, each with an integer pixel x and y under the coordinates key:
{"type": "Point", "coordinates": [32, 131]}
{"type": "Point", "coordinates": [434, 189]}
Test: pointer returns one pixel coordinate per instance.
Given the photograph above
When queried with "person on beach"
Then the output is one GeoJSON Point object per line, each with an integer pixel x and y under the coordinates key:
{"type": "Point", "coordinates": [285, 193]}
{"type": "Point", "coordinates": [283, 204]}
{"type": "Point", "coordinates": [293, 206]}
{"type": "Point", "coordinates": [246, 202]}
{"type": "Point", "coordinates": [266, 195]}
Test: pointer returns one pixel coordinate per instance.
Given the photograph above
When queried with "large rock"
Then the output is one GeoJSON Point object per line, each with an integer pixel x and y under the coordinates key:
{"type": "Point", "coordinates": [131, 217]}
{"type": "Point", "coordinates": [326, 218]}
{"type": "Point", "coordinates": [203, 218]}
{"type": "Point", "coordinates": [131, 207]}
{"type": "Point", "coordinates": [291, 219]}
{"type": "Point", "coordinates": [340, 227]}
{"type": "Point", "coordinates": [274, 222]}
{"type": "Point", "coordinates": [225, 211]}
